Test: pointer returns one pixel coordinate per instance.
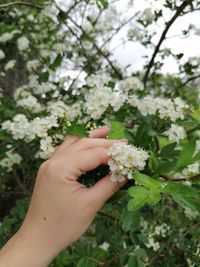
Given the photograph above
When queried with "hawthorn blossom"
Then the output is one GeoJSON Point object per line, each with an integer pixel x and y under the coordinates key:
{"type": "Point", "coordinates": [23, 43]}
{"type": "Point", "coordinates": [125, 159]}
{"type": "Point", "coordinates": [175, 133]}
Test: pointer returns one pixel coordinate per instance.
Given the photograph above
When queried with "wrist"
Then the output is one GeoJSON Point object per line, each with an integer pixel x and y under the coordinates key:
{"type": "Point", "coordinates": [24, 249]}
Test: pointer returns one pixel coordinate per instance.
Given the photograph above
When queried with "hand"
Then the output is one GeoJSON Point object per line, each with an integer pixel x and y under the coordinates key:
{"type": "Point", "coordinates": [61, 208]}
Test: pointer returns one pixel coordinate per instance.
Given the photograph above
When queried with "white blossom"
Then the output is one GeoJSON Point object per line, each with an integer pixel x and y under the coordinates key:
{"type": "Point", "coordinates": [152, 243]}
{"type": "Point", "coordinates": [23, 43]}
{"type": "Point", "coordinates": [162, 230]}
{"type": "Point", "coordinates": [125, 159]}
{"type": "Point", "coordinates": [31, 103]}
{"type": "Point", "coordinates": [175, 133]}
{"type": "Point", "coordinates": [191, 214]}
{"type": "Point", "coordinates": [47, 148]}
{"type": "Point", "coordinates": [2, 54]}
{"type": "Point", "coordinates": [10, 160]}
{"type": "Point", "coordinates": [10, 64]}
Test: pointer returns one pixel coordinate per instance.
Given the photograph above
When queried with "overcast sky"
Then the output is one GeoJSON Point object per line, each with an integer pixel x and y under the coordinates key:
{"type": "Point", "coordinates": [132, 53]}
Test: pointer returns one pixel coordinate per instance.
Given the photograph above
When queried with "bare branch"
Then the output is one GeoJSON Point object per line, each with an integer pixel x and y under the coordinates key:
{"type": "Point", "coordinates": [20, 4]}
{"type": "Point", "coordinates": [162, 38]}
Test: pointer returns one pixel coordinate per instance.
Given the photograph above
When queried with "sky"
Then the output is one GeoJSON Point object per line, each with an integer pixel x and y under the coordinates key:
{"type": "Point", "coordinates": [132, 53]}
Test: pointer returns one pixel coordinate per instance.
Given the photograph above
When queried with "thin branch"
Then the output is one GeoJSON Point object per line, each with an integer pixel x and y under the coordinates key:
{"type": "Point", "coordinates": [188, 80]}
{"type": "Point", "coordinates": [20, 4]}
{"type": "Point", "coordinates": [119, 28]}
{"type": "Point", "coordinates": [189, 230]}
{"type": "Point", "coordinates": [162, 38]}
{"type": "Point", "coordinates": [181, 179]}
{"type": "Point", "coordinates": [117, 72]}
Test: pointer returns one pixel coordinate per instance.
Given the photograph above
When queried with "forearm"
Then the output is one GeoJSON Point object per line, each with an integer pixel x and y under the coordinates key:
{"type": "Point", "coordinates": [23, 251]}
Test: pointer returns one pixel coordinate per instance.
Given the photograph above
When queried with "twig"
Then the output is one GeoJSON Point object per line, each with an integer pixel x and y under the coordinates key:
{"type": "Point", "coordinates": [119, 28]}
{"type": "Point", "coordinates": [20, 4]}
{"type": "Point", "coordinates": [168, 178]}
{"type": "Point", "coordinates": [188, 80]}
{"type": "Point", "coordinates": [189, 230]}
{"type": "Point", "coordinates": [162, 38]}
{"type": "Point", "coordinates": [117, 72]}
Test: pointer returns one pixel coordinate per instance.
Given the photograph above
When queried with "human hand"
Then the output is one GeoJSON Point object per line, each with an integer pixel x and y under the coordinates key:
{"type": "Point", "coordinates": [61, 208]}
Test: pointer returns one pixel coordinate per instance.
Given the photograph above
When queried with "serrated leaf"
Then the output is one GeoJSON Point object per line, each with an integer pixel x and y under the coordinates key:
{"type": "Point", "coordinates": [140, 195]}
{"type": "Point", "coordinates": [77, 129]}
{"type": "Point", "coordinates": [186, 155]}
{"type": "Point", "coordinates": [154, 198]}
{"type": "Point", "coordinates": [196, 115]}
{"type": "Point", "coordinates": [116, 130]}
{"type": "Point", "coordinates": [146, 181]}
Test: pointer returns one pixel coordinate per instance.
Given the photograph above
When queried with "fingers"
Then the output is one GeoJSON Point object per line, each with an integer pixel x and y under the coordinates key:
{"type": "Point", "coordinates": [102, 191]}
{"type": "Point", "coordinates": [99, 133]}
{"type": "Point", "coordinates": [88, 143]}
{"type": "Point", "coordinates": [69, 140]}
{"type": "Point", "coordinates": [92, 158]}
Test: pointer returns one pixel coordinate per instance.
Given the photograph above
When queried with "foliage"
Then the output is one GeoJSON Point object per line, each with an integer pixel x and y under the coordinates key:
{"type": "Point", "coordinates": [55, 60]}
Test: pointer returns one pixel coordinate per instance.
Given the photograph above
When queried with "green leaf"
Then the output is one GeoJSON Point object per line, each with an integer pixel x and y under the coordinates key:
{"type": "Point", "coordinates": [77, 129]}
{"type": "Point", "coordinates": [168, 151]}
{"type": "Point", "coordinates": [183, 195]}
{"type": "Point", "coordinates": [186, 155]}
{"type": "Point", "coordinates": [116, 130]}
{"type": "Point", "coordinates": [196, 115]}
{"type": "Point", "coordinates": [154, 198]}
{"type": "Point", "coordinates": [142, 137]}
{"type": "Point", "coordinates": [87, 262]}
{"type": "Point", "coordinates": [102, 3]}
{"type": "Point", "coordinates": [141, 253]}
{"type": "Point", "coordinates": [130, 220]}
{"type": "Point", "coordinates": [140, 195]}
{"type": "Point", "coordinates": [146, 181]}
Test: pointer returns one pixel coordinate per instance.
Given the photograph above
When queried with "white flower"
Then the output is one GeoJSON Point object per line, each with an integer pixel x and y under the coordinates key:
{"type": "Point", "coordinates": [98, 80]}
{"type": "Point", "coordinates": [152, 243]}
{"type": "Point", "coordinates": [23, 43]}
{"type": "Point", "coordinates": [19, 127]}
{"type": "Point", "coordinates": [2, 54]}
{"type": "Point", "coordinates": [32, 64]}
{"type": "Point", "coordinates": [47, 148]}
{"type": "Point", "coordinates": [166, 108]}
{"type": "Point", "coordinates": [191, 214]}
{"type": "Point", "coordinates": [162, 230]}
{"type": "Point", "coordinates": [130, 84]}
{"type": "Point", "coordinates": [10, 64]}
{"type": "Point", "coordinates": [11, 159]}
{"type": "Point", "coordinates": [175, 133]}
{"type": "Point", "coordinates": [31, 103]}
{"type": "Point", "coordinates": [99, 99]}
{"type": "Point", "coordinates": [191, 169]}
{"type": "Point", "coordinates": [125, 159]}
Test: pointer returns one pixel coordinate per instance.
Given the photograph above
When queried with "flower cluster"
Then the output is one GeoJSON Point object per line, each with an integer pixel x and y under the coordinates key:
{"type": "Point", "coordinates": [10, 160]}
{"type": "Point", "coordinates": [125, 159]}
{"type": "Point", "coordinates": [166, 108]}
{"type": "Point", "coordinates": [99, 99]}
{"type": "Point", "coordinates": [175, 133]}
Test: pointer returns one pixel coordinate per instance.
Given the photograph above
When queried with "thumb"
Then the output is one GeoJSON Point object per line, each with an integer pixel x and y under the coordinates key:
{"type": "Point", "coordinates": [103, 190]}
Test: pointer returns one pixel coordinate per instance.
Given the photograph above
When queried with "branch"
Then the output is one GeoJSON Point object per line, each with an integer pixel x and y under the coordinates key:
{"type": "Point", "coordinates": [168, 178]}
{"type": "Point", "coordinates": [119, 28]}
{"type": "Point", "coordinates": [188, 80]}
{"type": "Point", "coordinates": [20, 4]}
{"type": "Point", "coordinates": [162, 38]}
{"type": "Point", "coordinates": [98, 49]}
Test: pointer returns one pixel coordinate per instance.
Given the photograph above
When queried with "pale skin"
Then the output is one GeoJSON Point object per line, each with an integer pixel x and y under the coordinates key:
{"type": "Point", "coordinates": [61, 208]}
